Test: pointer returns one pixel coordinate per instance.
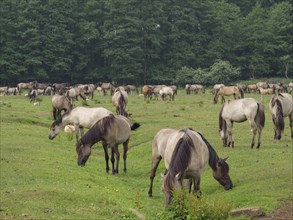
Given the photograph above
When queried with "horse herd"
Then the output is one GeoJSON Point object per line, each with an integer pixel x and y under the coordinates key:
{"type": "Point", "coordinates": [186, 153]}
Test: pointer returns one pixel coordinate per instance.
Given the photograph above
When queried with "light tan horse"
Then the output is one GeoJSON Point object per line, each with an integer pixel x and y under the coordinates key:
{"type": "Point", "coordinates": [186, 155]}
{"type": "Point", "coordinates": [228, 91]}
{"type": "Point", "coordinates": [281, 106]}
{"type": "Point", "coordinates": [120, 100]}
{"type": "Point", "coordinates": [241, 110]}
{"type": "Point", "coordinates": [112, 131]}
{"type": "Point", "coordinates": [265, 91]}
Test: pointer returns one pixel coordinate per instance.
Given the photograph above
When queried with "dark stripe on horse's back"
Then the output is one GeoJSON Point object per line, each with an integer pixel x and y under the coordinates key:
{"type": "Point", "coordinates": [213, 156]}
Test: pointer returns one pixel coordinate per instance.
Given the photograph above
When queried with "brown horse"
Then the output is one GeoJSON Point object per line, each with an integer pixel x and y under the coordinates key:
{"type": "Point", "coordinates": [147, 91]}
{"type": "Point", "coordinates": [281, 106]}
{"type": "Point", "coordinates": [111, 130]}
{"type": "Point", "coordinates": [228, 91]}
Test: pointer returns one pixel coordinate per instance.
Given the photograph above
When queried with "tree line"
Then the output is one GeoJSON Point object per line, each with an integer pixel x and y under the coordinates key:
{"type": "Point", "coordinates": [144, 41]}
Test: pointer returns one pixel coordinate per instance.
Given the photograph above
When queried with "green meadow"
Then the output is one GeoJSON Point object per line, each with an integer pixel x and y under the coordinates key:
{"type": "Point", "coordinates": [40, 178]}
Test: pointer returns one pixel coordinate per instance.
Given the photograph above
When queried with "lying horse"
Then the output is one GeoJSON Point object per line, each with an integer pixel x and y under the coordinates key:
{"type": "Point", "coordinates": [238, 111]}
{"type": "Point", "coordinates": [60, 103]}
{"type": "Point", "coordinates": [281, 106]}
{"type": "Point", "coordinates": [228, 91]}
{"type": "Point", "coordinates": [120, 100]}
{"type": "Point", "coordinates": [80, 117]}
{"type": "Point", "coordinates": [111, 130]}
{"type": "Point", "coordinates": [186, 155]}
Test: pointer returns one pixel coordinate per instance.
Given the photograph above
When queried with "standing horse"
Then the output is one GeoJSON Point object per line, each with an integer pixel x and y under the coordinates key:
{"type": "Point", "coordinates": [228, 91]}
{"type": "Point", "coordinates": [111, 130]}
{"type": "Point", "coordinates": [186, 155]}
{"type": "Point", "coordinates": [80, 117]}
{"type": "Point", "coordinates": [167, 91]}
{"type": "Point", "coordinates": [120, 100]}
{"type": "Point", "coordinates": [60, 103]}
{"type": "Point", "coordinates": [73, 93]}
{"type": "Point", "coordinates": [281, 106]}
{"type": "Point", "coordinates": [241, 110]}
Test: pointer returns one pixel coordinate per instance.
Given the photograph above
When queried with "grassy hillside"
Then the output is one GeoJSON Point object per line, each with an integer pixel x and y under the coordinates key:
{"type": "Point", "coordinates": [40, 178]}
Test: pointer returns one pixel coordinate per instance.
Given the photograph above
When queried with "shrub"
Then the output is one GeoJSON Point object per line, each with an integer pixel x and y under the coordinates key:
{"type": "Point", "coordinates": [188, 206]}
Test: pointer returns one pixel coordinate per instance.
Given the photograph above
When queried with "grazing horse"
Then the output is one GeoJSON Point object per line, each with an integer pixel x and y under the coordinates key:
{"type": "Point", "coordinates": [111, 130]}
{"type": "Point", "coordinates": [186, 155]}
{"type": "Point", "coordinates": [80, 117]}
{"type": "Point", "coordinates": [241, 110]}
{"type": "Point", "coordinates": [60, 103]}
{"type": "Point", "coordinates": [265, 91]}
{"type": "Point", "coordinates": [73, 93]}
{"type": "Point", "coordinates": [228, 91]}
{"type": "Point", "coordinates": [120, 100]}
{"type": "Point", "coordinates": [167, 91]}
{"type": "Point", "coordinates": [281, 106]}
{"type": "Point", "coordinates": [147, 91]}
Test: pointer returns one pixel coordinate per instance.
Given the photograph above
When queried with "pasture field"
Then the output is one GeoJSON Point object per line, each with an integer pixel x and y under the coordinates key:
{"type": "Point", "coordinates": [40, 178]}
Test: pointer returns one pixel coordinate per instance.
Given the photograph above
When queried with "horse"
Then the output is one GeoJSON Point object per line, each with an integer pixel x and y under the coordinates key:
{"type": "Point", "coordinates": [107, 86]}
{"type": "Point", "coordinates": [281, 106]}
{"type": "Point", "coordinates": [112, 131]}
{"type": "Point", "coordinates": [80, 117]}
{"type": "Point", "coordinates": [147, 91]}
{"type": "Point", "coordinates": [60, 103]}
{"type": "Point", "coordinates": [228, 91]}
{"type": "Point", "coordinates": [120, 100]}
{"type": "Point", "coordinates": [73, 93]}
{"type": "Point", "coordinates": [241, 110]}
{"type": "Point", "coordinates": [186, 155]}
{"type": "Point", "coordinates": [33, 95]}
{"type": "Point", "coordinates": [167, 91]}
{"type": "Point", "coordinates": [29, 86]}
{"type": "Point", "coordinates": [265, 91]}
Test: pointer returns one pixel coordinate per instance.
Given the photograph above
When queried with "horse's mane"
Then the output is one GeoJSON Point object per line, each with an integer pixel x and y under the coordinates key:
{"type": "Point", "coordinates": [213, 156]}
{"type": "Point", "coordinates": [180, 160]}
{"type": "Point", "coordinates": [98, 130]}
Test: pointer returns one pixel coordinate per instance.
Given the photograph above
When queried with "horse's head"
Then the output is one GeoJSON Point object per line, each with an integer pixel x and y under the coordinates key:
{"type": "Point", "coordinates": [170, 185]}
{"type": "Point", "coordinates": [221, 174]}
{"type": "Point", "coordinates": [83, 152]}
{"type": "Point", "coordinates": [55, 128]}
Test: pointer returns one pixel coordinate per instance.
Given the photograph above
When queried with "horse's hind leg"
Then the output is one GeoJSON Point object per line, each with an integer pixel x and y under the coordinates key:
{"type": "Point", "coordinates": [155, 163]}
{"type": "Point", "coordinates": [125, 149]}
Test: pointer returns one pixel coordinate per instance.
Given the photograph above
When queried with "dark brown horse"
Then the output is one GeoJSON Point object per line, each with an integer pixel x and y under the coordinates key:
{"type": "Point", "coordinates": [111, 130]}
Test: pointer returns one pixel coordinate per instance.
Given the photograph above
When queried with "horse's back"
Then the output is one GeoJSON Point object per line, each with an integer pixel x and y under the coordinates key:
{"type": "Point", "coordinates": [199, 152]}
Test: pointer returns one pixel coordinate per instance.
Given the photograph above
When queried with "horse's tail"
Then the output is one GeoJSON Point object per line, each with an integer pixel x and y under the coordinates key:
{"type": "Point", "coordinates": [260, 116]}
{"type": "Point", "coordinates": [134, 126]}
{"type": "Point", "coordinates": [241, 93]}
{"type": "Point", "coordinates": [180, 160]}
{"type": "Point", "coordinates": [278, 117]}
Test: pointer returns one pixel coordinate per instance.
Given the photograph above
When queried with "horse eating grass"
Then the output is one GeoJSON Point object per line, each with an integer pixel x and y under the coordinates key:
{"type": "Point", "coordinates": [80, 117]}
{"type": "Point", "coordinates": [186, 155]}
{"type": "Point", "coordinates": [238, 111]}
{"type": "Point", "coordinates": [111, 130]}
{"type": "Point", "coordinates": [281, 106]}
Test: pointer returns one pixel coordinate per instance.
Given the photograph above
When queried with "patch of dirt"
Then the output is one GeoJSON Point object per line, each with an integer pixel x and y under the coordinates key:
{"type": "Point", "coordinates": [283, 213]}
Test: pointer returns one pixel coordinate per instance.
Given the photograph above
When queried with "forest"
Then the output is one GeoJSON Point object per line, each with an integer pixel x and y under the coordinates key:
{"type": "Point", "coordinates": [144, 41]}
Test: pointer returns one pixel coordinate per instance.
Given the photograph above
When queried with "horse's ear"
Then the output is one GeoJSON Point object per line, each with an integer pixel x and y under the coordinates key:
{"type": "Point", "coordinates": [178, 175]}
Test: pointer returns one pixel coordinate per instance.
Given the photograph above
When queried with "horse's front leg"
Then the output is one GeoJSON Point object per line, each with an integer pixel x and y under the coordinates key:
{"type": "Point", "coordinates": [105, 147]}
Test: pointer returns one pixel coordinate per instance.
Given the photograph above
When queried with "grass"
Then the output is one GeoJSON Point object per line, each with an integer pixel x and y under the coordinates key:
{"type": "Point", "coordinates": [40, 178]}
